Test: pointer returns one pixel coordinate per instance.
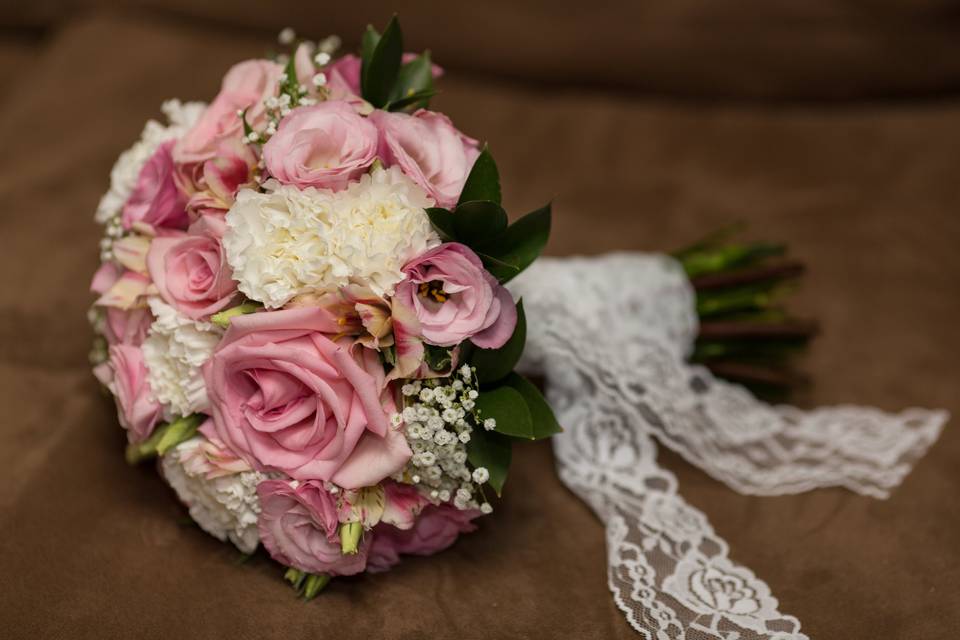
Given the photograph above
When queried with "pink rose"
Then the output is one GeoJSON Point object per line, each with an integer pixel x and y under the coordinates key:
{"type": "Point", "coordinates": [245, 86]}
{"type": "Point", "coordinates": [286, 397]}
{"type": "Point", "coordinates": [455, 298]}
{"type": "Point", "coordinates": [191, 273]}
{"type": "Point", "coordinates": [299, 527]}
{"type": "Point", "coordinates": [323, 146]}
{"type": "Point", "coordinates": [436, 529]}
{"type": "Point", "coordinates": [138, 411]}
{"type": "Point", "coordinates": [156, 201]}
{"type": "Point", "coordinates": [429, 150]}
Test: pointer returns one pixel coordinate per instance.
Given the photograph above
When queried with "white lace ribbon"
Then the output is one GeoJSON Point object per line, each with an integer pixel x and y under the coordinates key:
{"type": "Point", "coordinates": [612, 335]}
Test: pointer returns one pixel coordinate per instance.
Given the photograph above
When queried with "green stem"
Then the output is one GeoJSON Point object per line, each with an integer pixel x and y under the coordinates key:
{"type": "Point", "coordinates": [223, 318]}
{"type": "Point", "coordinates": [314, 585]}
{"type": "Point", "coordinates": [720, 302]}
{"type": "Point", "coordinates": [720, 259]}
{"type": "Point", "coordinates": [164, 438]}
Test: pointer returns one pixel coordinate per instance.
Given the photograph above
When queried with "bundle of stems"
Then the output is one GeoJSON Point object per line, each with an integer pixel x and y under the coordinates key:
{"type": "Point", "coordinates": [746, 333]}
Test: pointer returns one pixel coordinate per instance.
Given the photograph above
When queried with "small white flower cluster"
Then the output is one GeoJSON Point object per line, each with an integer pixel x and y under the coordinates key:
{"type": "Point", "coordinates": [290, 93]}
{"type": "Point", "coordinates": [325, 48]}
{"type": "Point", "coordinates": [126, 170]}
{"type": "Point", "coordinates": [438, 415]}
{"type": "Point", "coordinates": [286, 36]}
{"type": "Point", "coordinates": [99, 350]}
{"type": "Point", "coordinates": [276, 108]}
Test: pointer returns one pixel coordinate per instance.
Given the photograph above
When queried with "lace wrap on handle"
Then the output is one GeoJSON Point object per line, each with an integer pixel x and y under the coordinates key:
{"type": "Point", "coordinates": [612, 336]}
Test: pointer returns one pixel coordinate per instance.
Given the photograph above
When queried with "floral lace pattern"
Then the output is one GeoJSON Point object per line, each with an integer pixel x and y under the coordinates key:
{"type": "Point", "coordinates": [613, 333]}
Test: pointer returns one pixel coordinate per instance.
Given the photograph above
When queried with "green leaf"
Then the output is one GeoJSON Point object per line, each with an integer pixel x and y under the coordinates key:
{"type": "Point", "coordinates": [389, 355]}
{"type": "Point", "coordinates": [442, 221]}
{"type": "Point", "coordinates": [418, 100]}
{"type": "Point", "coordinates": [507, 406]}
{"type": "Point", "coordinates": [379, 73]}
{"type": "Point", "coordinates": [247, 129]}
{"type": "Point", "coordinates": [478, 221]}
{"type": "Point", "coordinates": [483, 183]}
{"type": "Point", "coordinates": [414, 79]}
{"type": "Point", "coordinates": [495, 364]}
{"type": "Point", "coordinates": [544, 422]}
{"type": "Point", "coordinates": [493, 451]}
{"type": "Point", "coordinates": [437, 358]}
{"type": "Point", "coordinates": [498, 268]}
{"type": "Point", "coordinates": [368, 44]}
{"type": "Point", "coordinates": [520, 244]}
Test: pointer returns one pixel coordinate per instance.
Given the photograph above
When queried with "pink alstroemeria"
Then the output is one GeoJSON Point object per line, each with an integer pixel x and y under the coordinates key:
{"type": "Point", "coordinates": [377, 323]}
{"type": "Point", "coordinates": [402, 504]}
{"type": "Point", "coordinates": [390, 502]}
{"type": "Point", "coordinates": [121, 326]}
{"type": "Point", "coordinates": [394, 324]}
{"type": "Point", "coordinates": [210, 457]}
{"type": "Point", "coordinates": [129, 291]}
{"type": "Point", "coordinates": [212, 185]}
{"type": "Point", "coordinates": [131, 252]}
{"type": "Point", "coordinates": [361, 505]}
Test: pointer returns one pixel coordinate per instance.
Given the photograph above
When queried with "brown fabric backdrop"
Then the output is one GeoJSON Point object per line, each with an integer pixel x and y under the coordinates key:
{"type": "Point", "coordinates": [868, 194]}
{"type": "Point", "coordinates": [816, 49]}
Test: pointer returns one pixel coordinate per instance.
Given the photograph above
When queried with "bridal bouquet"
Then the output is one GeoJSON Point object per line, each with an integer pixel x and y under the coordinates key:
{"type": "Point", "coordinates": [301, 310]}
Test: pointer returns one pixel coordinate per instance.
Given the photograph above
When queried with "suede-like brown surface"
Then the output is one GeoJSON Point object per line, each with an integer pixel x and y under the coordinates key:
{"type": "Point", "coordinates": [813, 49]}
{"type": "Point", "coordinates": [869, 195]}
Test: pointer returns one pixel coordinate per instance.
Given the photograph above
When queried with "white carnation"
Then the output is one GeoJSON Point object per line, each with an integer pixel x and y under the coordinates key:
{"type": "Point", "coordinates": [123, 176]}
{"type": "Point", "coordinates": [226, 507]}
{"type": "Point", "coordinates": [287, 242]}
{"type": "Point", "coordinates": [173, 352]}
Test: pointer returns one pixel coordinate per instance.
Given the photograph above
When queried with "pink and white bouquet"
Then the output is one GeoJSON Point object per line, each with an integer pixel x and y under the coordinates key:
{"type": "Point", "coordinates": [302, 315]}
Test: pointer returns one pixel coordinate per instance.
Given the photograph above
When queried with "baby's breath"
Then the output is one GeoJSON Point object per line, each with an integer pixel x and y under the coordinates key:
{"type": "Point", "coordinates": [287, 36]}
{"type": "Point", "coordinates": [439, 415]}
